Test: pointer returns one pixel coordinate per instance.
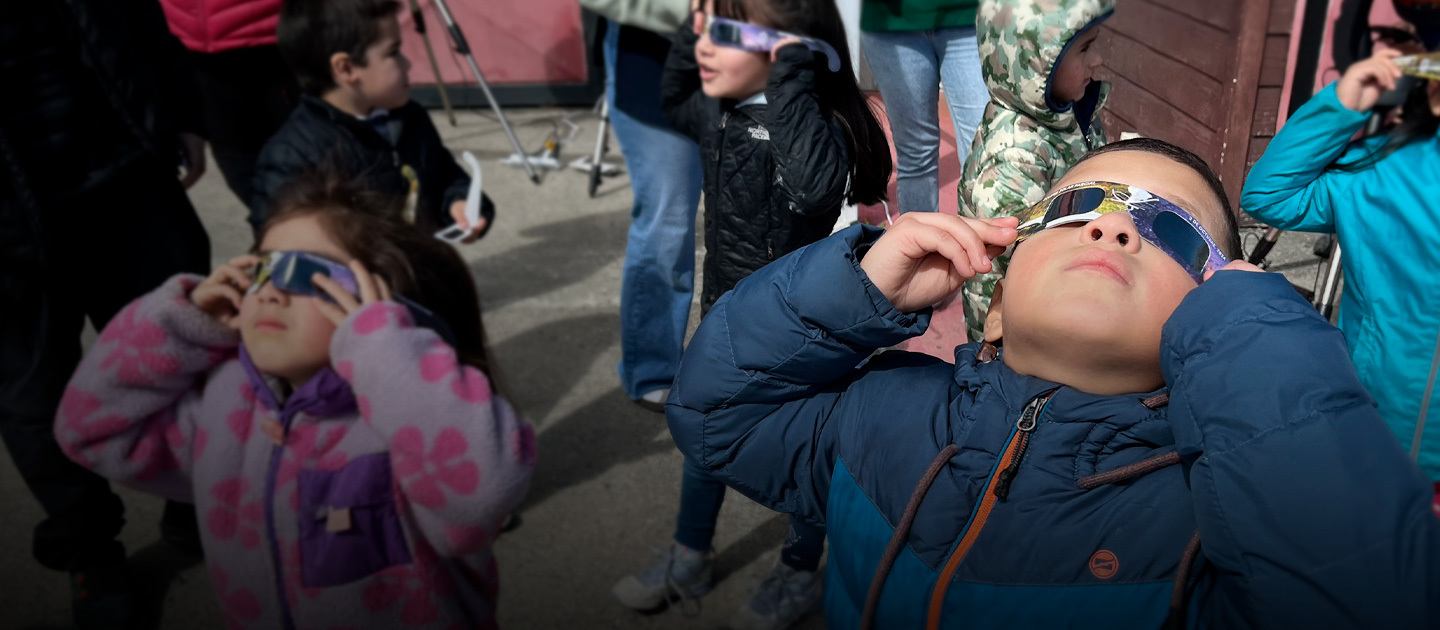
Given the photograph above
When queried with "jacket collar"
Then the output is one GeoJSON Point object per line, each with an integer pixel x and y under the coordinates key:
{"type": "Point", "coordinates": [325, 394]}
{"type": "Point", "coordinates": [1125, 417]}
{"type": "Point", "coordinates": [324, 109]}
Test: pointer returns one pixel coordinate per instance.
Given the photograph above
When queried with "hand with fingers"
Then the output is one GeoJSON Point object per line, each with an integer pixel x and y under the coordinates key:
{"type": "Point", "coordinates": [1365, 81]}
{"type": "Point", "coordinates": [372, 289]}
{"type": "Point", "coordinates": [457, 212]}
{"type": "Point", "coordinates": [221, 293]}
{"type": "Point", "coordinates": [927, 256]}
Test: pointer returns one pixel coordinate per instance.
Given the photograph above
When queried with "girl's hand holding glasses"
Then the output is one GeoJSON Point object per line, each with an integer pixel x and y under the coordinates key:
{"type": "Point", "coordinates": [220, 294]}
{"type": "Point", "coordinates": [372, 289]}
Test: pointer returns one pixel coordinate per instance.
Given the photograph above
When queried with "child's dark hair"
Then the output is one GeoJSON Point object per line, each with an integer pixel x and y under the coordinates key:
{"type": "Point", "coordinates": [839, 94]}
{"type": "Point", "coordinates": [1417, 122]}
{"type": "Point", "coordinates": [370, 227]}
{"type": "Point", "coordinates": [1230, 240]}
{"type": "Point", "coordinates": [311, 31]}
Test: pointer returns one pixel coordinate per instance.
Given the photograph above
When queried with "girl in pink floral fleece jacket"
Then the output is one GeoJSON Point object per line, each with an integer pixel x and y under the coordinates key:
{"type": "Point", "coordinates": [349, 468]}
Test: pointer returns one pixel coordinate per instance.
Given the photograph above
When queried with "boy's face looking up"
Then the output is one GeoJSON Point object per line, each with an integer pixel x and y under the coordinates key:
{"type": "Point", "coordinates": [380, 80]}
{"type": "Point", "coordinates": [1084, 304]}
{"type": "Point", "coordinates": [1075, 71]}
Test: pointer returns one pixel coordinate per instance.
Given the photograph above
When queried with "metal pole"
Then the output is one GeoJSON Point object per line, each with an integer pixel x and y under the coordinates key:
{"type": "Point", "coordinates": [419, 19]}
{"type": "Point", "coordinates": [602, 142]}
{"type": "Point", "coordinates": [1332, 282]}
{"type": "Point", "coordinates": [463, 47]}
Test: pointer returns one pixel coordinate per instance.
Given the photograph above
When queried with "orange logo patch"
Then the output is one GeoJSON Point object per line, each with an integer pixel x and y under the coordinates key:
{"type": "Point", "coordinates": [1104, 564]}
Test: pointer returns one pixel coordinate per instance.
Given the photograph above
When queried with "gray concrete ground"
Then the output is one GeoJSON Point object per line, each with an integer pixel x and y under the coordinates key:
{"type": "Point", "coordinates": [608, 480]}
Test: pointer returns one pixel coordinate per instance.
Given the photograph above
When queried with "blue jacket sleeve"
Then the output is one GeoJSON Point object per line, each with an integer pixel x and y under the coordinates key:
{"type": "Point", "coordinates": [1289, 187]}
{"type": "Point", "coordinates": [1309, 511]}
{"type": "Point", "coordinates": [762, 391]}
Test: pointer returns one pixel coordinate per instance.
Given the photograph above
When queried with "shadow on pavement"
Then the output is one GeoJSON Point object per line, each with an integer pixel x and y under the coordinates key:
{"type": "Point", "coordinates": [568, 252]}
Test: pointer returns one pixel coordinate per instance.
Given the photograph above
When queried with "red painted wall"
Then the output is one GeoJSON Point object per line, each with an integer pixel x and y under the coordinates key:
{"type": "Point", "coordinates": [514, 41]}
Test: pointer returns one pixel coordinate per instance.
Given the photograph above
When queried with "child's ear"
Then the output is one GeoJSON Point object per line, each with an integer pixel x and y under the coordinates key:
{"type": "Point", "coordinates": [994, 327]}
{"type": "Point", "coordinates": [342, 68]}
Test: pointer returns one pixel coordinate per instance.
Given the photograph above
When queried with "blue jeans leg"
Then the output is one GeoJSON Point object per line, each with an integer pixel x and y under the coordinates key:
{"type": "Point", "coordinates": [658, 280]}
{"type": "Point", "coordinates": [907, 70]}
{"type": "Point", "coordinates": [965, 91]}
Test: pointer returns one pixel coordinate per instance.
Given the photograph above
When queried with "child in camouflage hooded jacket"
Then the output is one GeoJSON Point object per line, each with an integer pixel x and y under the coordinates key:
{"type": "Point", "coordinates": [1037, 57]}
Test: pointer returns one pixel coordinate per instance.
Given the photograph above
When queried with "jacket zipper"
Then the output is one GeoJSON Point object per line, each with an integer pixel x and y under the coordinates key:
{"type": "Point", "coordinates": [276, 455]}
{"type": "Point", "coordinates": [997, 487]}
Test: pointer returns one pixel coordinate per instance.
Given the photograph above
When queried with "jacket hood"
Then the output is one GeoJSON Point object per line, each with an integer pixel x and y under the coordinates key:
{"type": "Point", "coordinates": [1021, 42]}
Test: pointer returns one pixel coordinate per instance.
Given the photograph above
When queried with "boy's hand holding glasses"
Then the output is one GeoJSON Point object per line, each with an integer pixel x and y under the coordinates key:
{"type": "Point", "coordinates": [926, 256]}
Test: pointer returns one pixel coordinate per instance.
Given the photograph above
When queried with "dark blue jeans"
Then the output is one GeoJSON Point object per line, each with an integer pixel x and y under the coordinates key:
{"type": "Point", "coordinates": [701, 496]}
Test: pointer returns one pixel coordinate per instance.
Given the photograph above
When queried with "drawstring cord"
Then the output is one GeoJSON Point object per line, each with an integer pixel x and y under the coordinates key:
{"type": "Point", "coordinates": [902, 532]}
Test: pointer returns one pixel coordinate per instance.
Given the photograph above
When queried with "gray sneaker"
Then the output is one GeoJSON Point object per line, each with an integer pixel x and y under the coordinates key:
{"type": "Point", "coordinates": [681, 576]}
{"type": "Point", "coordinates": [780, 600]}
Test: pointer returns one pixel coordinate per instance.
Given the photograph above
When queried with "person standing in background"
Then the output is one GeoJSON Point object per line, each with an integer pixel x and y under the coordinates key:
{"type": "Point", "coordinates": [99, 108]}
{"type": "Point", "coordinates": [913, 47]}
{"type": "Point", "coordinates": [658, 282]}
{"type": "Point", "coordinates": [246, 89]}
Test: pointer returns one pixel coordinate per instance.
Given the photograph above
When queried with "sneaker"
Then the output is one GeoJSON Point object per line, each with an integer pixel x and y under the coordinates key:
{"type": "Point", "coordinates": [681, 575]}
{"type": "Point", "coordinates": [654, 400]}
{"type": "Point", "coordinates": [100, 597]}
{"type": "Point", "coordinates": [780, 600]}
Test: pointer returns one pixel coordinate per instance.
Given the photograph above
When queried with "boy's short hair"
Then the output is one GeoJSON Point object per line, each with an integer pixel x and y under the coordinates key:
{"type": "Point", "coordinates": [1230, 240]}
{"type": "Point", "coordinates": [311, 31]}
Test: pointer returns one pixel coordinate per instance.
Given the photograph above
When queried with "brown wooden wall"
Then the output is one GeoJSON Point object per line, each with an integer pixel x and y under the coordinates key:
{"type": "Point", "coordinates": [1203, 74]}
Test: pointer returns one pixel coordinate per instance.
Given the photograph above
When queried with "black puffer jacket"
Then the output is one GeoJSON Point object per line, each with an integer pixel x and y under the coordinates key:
{"type": "Point", "coordinates": [319, 135]}
{"type": "Point", "coordinates": [775, 174]}
{"type": "Point", "coordinates": [89, 87]}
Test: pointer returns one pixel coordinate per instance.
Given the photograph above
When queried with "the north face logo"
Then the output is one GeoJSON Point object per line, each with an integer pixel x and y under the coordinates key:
{"type": "Point", "coordinates": [759, 133]}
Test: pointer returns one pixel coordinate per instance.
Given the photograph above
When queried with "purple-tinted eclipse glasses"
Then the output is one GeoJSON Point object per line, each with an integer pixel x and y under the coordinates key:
{"type": "Point", "coordinates": [753, 37]}
{"type": "Point", "coordinates": [1162, 224]}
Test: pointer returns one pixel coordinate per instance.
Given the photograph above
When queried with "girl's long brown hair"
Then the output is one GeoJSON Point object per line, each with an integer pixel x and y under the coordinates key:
{"type": "Point", "coordinates": [840, 95]}
{"type": "Point", "coordinates": [416, 265]}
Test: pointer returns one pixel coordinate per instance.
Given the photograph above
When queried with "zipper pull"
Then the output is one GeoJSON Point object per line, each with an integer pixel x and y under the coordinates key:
{"type": "Point", "coordinates": [724, 118]}
{"type": "Point", "coordinates": [1029, 418]}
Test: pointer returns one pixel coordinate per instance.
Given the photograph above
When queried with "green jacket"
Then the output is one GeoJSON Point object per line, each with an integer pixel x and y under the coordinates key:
{"type": "Point", "coordinates": [916, 15]}
{"type": "Point", "coordinates": [661, 16]}
{"type": "Point", "coordinates": [1025, 141]}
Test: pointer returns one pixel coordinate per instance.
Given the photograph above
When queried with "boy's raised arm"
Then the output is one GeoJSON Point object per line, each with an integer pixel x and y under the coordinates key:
{"type": "Point", "coordinates": [771, 362]}
{"type": "Point", "coordinates": [1308, 509]}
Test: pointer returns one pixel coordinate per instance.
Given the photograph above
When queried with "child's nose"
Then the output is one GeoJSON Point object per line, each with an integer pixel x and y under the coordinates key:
{"type": "Point", "coordinates": [268, 293]}
{"type": "Point", "coordinates": [1115, 229]}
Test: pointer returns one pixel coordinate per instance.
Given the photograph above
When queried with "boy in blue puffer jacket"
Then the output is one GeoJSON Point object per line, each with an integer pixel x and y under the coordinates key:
{"type": "Point", "coordinates": [1190, 446]}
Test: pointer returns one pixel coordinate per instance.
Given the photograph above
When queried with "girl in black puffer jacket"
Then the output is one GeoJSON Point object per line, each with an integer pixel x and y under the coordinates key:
{"type": "Point", "coordinates": [785, 141]}
{"type": "Point", "coordinates": [787, 138]}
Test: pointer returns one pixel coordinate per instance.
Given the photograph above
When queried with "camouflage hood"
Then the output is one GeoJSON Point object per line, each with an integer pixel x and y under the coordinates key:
{"type": "Point", "coordinates": [1021, 41]}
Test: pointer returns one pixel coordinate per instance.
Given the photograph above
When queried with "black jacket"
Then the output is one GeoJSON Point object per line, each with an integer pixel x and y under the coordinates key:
{"type": "Point", "coordinates": [775, 174]}
{"type": "Point", "coordinates": [319, 135]}
{"type": "Point", "coordinates": [90, 87]}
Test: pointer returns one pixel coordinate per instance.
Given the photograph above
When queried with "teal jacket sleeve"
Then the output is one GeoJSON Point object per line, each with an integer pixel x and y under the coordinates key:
{"type": "Point", "coordinates": [1309, 512]}
{"type": "Point", "coordinates": [1289, 187]}
{"type": "Point", "coordinates": [768, 390]}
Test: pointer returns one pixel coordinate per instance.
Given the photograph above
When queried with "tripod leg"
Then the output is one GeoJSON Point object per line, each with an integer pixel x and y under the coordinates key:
{"type": "Point", "coordinates": [1262, 249]}
{"type": "Point", "coordinates": [602, 142]}
{"type": "Point", "coordinates": [1327, 291]}
{"type": "Point", "coordinates": [419, 19]}
{"type": "Point", "coordinates": [463, 47]}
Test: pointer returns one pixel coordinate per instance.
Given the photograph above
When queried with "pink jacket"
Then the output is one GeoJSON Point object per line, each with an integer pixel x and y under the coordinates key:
{"type": "Point", "coordinates": [379, 509]}
{"type": "Point", "coordinates": [211, 26]}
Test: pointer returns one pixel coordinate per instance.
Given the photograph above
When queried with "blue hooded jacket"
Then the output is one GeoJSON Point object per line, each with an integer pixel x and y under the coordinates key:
{"type": "Point", "coordinates": [1307, 512]}
{"type": "Point", "coordinates": [1388, 219]}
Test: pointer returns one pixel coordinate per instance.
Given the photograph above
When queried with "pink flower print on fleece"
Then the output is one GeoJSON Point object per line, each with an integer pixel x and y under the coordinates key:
{"type": "Point", "coordinates": [305, 448]}
{"type": "Point", "coordinates": [467, 383]}
{"type": "Point", "coordinates": [422, 475]}
{"type": "Point", "coordinates": [75, 408]}
{"type": "Point", "coordinates": [136, 353]}
{"type": "Point", "coordinates": [242, 420]}
{"type": "Point", "coordinates": [414, 586]}
{"type": "Point", "coordinates": [154, 453]}
{"type": "Point", "coordinates": [234, 518]}
{"type": "Point", "coordinates": [241, 605]}
{"type": "Point", "coordinates": [373, 318]}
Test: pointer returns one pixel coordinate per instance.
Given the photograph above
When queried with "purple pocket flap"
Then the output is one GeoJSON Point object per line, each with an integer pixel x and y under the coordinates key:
{"type": "Point", "coordinates": [364, 533]}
